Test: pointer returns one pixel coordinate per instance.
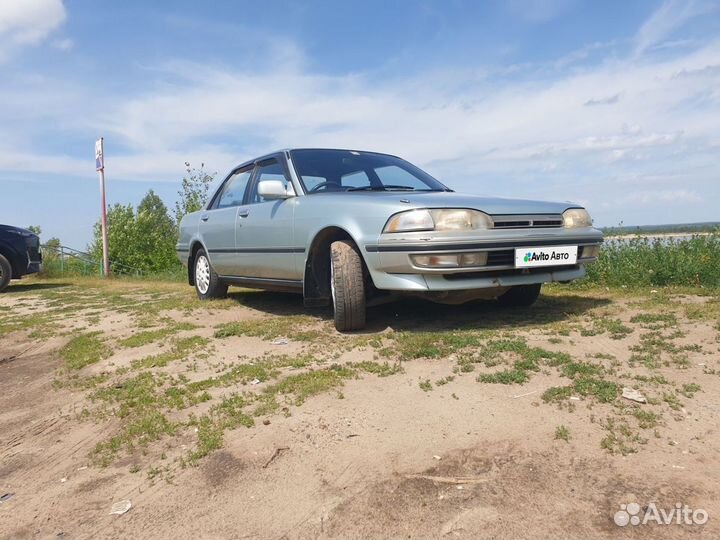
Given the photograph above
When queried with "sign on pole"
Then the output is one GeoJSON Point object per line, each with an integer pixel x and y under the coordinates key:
{"type": "Point", "coordinates": [100, 168]}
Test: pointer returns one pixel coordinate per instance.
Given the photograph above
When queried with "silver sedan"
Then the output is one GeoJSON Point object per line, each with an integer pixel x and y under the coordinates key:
{"type": "Point", "coordinates": [350, 229]}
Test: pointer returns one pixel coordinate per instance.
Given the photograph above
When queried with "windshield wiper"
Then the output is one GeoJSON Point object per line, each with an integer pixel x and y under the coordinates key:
{"type": "Point", "coordinates": [390, 188]}
{"type": "Point", "coordinates": [366, 188]}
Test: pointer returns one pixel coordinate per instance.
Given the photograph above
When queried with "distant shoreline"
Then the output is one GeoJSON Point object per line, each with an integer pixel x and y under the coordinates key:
{"type": "Point", "coordinates": [631, 236]}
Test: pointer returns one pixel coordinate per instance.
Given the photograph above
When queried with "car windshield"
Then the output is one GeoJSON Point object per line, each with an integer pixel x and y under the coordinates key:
{"type": "Point", "coordinates": [323, 171]}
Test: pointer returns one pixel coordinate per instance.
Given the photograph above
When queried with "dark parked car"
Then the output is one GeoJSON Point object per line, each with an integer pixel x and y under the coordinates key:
{"type": "Point", "coordinates": [19, 254]}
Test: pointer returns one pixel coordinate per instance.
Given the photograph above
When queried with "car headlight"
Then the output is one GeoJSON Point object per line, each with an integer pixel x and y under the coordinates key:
{"type": "Point", "coordinates": [450, 219]}
{"type": "Point", "coordinates": [576, 217]}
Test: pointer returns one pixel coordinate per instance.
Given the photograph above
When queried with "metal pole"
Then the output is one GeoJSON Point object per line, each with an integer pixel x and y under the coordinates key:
{"type": "Point", "coordinates": [103, 215]}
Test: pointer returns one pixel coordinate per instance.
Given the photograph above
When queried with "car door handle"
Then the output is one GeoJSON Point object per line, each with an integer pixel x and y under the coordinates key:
{"type": "Point", "coordinates": [243, 213]}
{"type": "Point", "coordinates": [205, 217]}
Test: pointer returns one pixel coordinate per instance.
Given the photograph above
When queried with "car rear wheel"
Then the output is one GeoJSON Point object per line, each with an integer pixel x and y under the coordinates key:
{"type": "Point", "coordinates": [347, 286]}
{"type": "Point", "coordinates": [5, 273]}
{"type": "Point", "coordinates": [207, 283]}
{"type": "Point", "coordinates": [520, 296]}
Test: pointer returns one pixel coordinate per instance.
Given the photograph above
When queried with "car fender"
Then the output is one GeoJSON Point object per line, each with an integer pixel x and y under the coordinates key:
{"type": "Point", "coordinates": [12, 255]}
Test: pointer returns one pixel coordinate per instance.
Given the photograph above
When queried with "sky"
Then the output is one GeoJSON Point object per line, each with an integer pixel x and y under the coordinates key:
{"type": "Point", "coordinates": [614, 104]}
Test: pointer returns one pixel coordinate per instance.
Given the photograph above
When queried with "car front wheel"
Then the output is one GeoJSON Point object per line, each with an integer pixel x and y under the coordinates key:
{"type": "Point", "coordinates": [347, 286]}
{"type": "Point", "coordinates": [207, 283]}
{"type": "Point", "coordinates": [520, 296]}
{"type": "Point", "coordinates": [5, 273]}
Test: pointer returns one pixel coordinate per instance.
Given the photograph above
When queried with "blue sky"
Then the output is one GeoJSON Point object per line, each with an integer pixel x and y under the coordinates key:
{"type": "Point", "coordinates": [612, 104]}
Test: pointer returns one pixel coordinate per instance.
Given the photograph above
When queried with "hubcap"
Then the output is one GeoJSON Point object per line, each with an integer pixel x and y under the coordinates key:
{"type": "Point", "coordinates": [202, 274]}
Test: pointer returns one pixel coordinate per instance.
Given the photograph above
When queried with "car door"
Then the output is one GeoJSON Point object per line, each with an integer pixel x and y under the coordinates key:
{"type": "Point", "coordinates": [264, 233]}
{"type": "Point", "coordinates": [217, 223]}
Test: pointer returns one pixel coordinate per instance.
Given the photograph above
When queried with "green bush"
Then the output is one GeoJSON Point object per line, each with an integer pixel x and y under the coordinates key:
{"type": "Point", "coordinates": [658, 262]}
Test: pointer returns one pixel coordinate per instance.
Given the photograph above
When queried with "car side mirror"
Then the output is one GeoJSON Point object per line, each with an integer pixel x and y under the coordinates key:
{"type": "Point", "coordinates": [274, 189]}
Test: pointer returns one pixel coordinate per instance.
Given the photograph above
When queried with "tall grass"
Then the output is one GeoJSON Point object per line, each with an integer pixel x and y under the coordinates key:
{"type": "Point", "coordinates": [76, 267]}
{"type": "Point", "coordinates": [636, 262]}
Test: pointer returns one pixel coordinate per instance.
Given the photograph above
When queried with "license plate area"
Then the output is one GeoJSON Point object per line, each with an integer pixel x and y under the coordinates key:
{"type": "Point", "coordinates": [536, 257]}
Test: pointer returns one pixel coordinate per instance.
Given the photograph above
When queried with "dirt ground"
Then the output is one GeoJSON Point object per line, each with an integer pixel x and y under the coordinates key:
{"type": "Point", "coordinates": [437, 422]}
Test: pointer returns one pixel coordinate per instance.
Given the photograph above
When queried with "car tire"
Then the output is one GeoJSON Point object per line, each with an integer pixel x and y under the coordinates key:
{"type": "Point", "coordinates": [347, 286]}
{"type": "Point", "coordinates": [5, 273]}
{"type": "Point", "coordinates": [520, 295]}
{"type": "Point", "coordinates": [207, 283]}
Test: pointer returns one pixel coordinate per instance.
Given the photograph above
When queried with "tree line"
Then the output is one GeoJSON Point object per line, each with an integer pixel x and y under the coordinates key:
{"type": "Point", "coordinates": [143, 238]}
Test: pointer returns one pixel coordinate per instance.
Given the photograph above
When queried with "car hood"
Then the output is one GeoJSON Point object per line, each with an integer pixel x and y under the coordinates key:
{"type": "Point", "coordinates": [11, 228]}
{"type": "Point", "coordinates": [444, 199]}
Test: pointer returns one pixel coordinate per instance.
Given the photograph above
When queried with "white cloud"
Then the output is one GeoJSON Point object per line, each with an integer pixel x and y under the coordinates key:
{"type": "Point", "coordinates": [488, 128]}
{"type": "Point", "coordinates": [28, 22]}
{"type": "Point", "coordinates": [668, 18]}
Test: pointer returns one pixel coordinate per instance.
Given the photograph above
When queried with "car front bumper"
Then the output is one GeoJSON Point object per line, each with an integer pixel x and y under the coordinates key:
{"type": "Point", "coordinates": [392, 266]}
{"type": "Point", "coordinates": [34, 255]}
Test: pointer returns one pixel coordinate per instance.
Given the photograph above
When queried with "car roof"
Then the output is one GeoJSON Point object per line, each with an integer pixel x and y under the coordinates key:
{"type": "Point", "coordinates": [288, 150]}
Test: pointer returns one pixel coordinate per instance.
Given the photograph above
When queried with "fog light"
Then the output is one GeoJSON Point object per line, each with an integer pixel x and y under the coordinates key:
{"type": "Point", "coordinates": [435, 261]}
{"type": "Point", "coordinates": [590, 251]}
{"type": "Point", "coordinates": [474, 259]}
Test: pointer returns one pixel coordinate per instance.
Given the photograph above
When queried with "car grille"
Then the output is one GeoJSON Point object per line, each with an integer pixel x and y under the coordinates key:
{"type": "Point", "coordinates": [527, 222]}
{"type": "Point", "coordinates": [502, 257]}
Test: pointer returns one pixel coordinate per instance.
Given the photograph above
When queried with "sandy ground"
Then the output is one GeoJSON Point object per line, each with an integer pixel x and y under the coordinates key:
{"type": "Point", "coordinates": [378, 458]}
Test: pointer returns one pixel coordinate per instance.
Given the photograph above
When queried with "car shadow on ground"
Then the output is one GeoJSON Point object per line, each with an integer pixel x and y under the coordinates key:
{"type": "Point", "coordinates": [18, 288]}
{"type": "Point", "coordinates": [417, 315]}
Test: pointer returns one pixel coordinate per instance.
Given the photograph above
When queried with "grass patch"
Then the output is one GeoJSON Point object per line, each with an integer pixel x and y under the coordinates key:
{"type": "Point", "coordinates": [581, 369]}
{"type": "Point", "coordinates": [179, 351]}
{"type": "Point", "coordinates": [151, 336]}
{"type": "Point", "coordinates": [139, 392]}
{"type": "Point", "coordinates": [672, 401]}
{"type": "Point", "coordinates": [270, 328]}
{"type": "Point", "coordinates": [414, 345]}
{"type": "Point", "coordinates": [614, 327]}
{"type": "Point", "coordinates": [231, 414]}
{"type": "Point", "coordinates": [646, 419]}
{"type": "Point", "coordinates": [655, 321]}
{"type": "Point", "coordinates": [509, 376]}
{"type": "Point", "coordinates": [209, 439]}
{"type": "Point", "coordinates": [41, 325]}
{"type": "Point", "coordinates": [84, 350]}
{"type": "Point", "coordinates": [240, 373]}
{"type": "Point", "coordinates": [145, 428]}
{"type": "Point", "coordinates": [304, 385]}
{"type": "Point", "coordinates": [425, 385]}
{"type": "Point", "coordinates": [562, 433]}
{"type": "Point", "coordinates": [656, 350]}
{"type": "Point", "coordinates": [381, 370]}
{"type": "Point", "coordinates": [494, 351]}
{"type": "Point", "coordinates": [445, 380]}
{"type": "Point", "coordinates": [602, 390]}
{"type": "Point", "coordinates": [689, 390]}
